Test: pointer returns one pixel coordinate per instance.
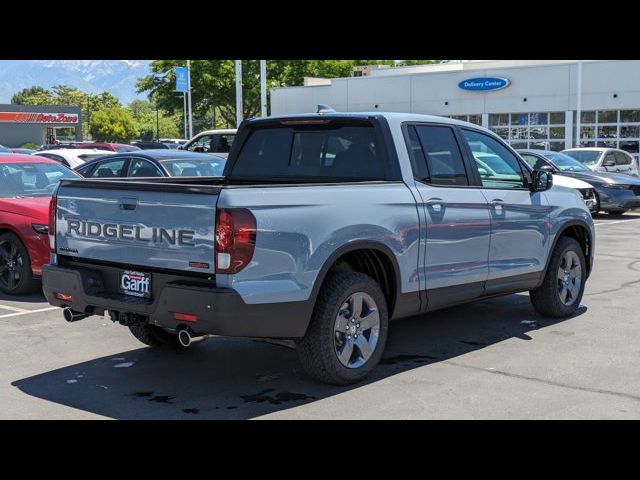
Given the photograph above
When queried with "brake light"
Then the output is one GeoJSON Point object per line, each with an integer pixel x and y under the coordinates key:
{"type": "Point", "coordinates": [52, 223]}
{"type": "Point", "coordinates": [235, 239]}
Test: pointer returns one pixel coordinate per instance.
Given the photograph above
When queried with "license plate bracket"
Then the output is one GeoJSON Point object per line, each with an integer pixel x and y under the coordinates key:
{"type": "Point", "coordinates": [135, 284]}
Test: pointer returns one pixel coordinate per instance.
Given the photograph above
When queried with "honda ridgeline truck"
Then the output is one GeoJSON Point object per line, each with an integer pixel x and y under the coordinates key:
{"type": "Point", "coordinates": [323, 229]}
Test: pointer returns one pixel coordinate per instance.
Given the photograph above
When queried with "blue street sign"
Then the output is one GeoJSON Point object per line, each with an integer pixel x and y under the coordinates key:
{"type": "Point", "coordinates": [182, 81]}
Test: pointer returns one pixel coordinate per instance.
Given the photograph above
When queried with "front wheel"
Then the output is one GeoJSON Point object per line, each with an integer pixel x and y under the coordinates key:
{"type": "Point", "coordinates": [563, 285]}
{"type": "Point", "coordinates": [16, 277]}
{"type": "Point", "coordinates": [348, 330]}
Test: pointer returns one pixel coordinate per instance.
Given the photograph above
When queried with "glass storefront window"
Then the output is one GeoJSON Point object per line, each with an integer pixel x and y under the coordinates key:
{"type": "Point", "coordinates": [518, 134]}
{"type": "Point", "coordinates": [477, 119]}
{"type": "Point", "coordinates": [629, 132]}
{"type": "Point", "coordinates": [630, 146]}
{"type": "Point", "coordinates": [556, 132]}
{"type": "Point", "coordinates": [517, 145]}
{"type": "Point", "coordinates": [588, 117]}
{"type": "Point", "coordinates": [538, 118]}
{"type": "Point", "coordinates": [607, 116]}
{"type": "Point", "coordinates": [587, 132]}
{"type": "Point", "coordinates": [502, 132]}
{"type": "Point", "coordinates": [589, 143]}
{"type": "Point", "coordinates": [608, 132]}
{"type": "Point", "coordinates": [630, 116]}
{"type": "Point", "coordinates": [538, 132]}
{"type": "Point", "coordinates": [498, 119]}
{"type": "Point", "coordinates": [556, 118]}
{"type": "Point", "coordinates": [607, 144]}
{"type": "Point", "coordinates": [519, 118]}
{"type": "Point", "coordinates": [556, 146]}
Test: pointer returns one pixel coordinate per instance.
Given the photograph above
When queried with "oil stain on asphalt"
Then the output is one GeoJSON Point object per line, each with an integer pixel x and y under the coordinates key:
{"type": "Point", "coordinates": [276, 399]}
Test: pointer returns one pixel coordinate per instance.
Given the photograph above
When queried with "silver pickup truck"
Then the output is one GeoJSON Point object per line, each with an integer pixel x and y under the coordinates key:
{"type": "Point", "coordinates": [323, 229]}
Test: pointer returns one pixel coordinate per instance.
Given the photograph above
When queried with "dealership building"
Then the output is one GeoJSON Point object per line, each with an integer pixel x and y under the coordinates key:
{"type": "Point", "coordinates": [529, 103]}
{"type": "Point", "coordinates": [39, 124]}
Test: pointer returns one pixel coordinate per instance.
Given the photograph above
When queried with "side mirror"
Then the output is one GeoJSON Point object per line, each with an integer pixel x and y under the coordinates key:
{"type": "Point", "coordinates": [609, 163]}
{"type": "Point", "coordinates": [542, 180]}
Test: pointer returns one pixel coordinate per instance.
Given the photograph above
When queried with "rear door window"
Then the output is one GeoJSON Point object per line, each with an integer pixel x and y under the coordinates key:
{"type": "Point", "coordinates": [341, 152]}
{"type": "Point", "coordinates": [622, 159]}
{"type": "Point", "coordinates": [442, 154]}
{"type": "Point", "coordinates": [109, 169]}
{"type": "Point", "coordinates": [143, 168]}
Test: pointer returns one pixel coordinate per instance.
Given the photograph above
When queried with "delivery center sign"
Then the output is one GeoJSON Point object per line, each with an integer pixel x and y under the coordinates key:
{"type": "Point", "coordinates": [38, 117]}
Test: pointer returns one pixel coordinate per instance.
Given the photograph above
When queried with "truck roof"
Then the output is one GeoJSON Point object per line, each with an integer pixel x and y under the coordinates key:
{"type": "Point", "coordinates": [392, 117]}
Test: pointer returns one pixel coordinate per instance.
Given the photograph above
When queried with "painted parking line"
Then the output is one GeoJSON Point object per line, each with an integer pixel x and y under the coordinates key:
{"type": "Point", "coordinates": [27, 312]}
{"type": "Point", "coordinates": [614, 222]}
{"type": "Point", "coordinates": [13, 309]}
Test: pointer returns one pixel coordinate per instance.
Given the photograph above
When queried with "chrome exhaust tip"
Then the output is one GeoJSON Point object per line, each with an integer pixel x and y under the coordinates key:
{"type": "Point", "coordinates": [187, 338]}
{"type": "Point", "coordinates": [71, 315]}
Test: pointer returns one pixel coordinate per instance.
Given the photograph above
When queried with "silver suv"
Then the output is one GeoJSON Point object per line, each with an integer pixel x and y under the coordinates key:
{"type": "Point", "coordinates": [605, 159]}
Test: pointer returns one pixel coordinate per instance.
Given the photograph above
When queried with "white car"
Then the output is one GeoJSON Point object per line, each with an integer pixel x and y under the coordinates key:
{"type": "Point", "coordinates": [73, 157]}
{"type": "Point", "coordinates": [600, 159]}
{"type": "Point", "coordinates": [212, 141]}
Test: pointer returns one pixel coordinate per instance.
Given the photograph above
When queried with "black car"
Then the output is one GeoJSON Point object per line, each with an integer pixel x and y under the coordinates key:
{"type": "Point", "coordinates": [150, 145]}
{"type": "Point", "coordinates": [154, 163]}
{"type": "Point", "coordinates": [615, 193]}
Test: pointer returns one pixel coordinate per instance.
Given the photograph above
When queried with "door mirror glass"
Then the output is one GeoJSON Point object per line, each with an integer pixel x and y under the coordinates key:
{"type": "Point", "coordinates": [542, 181]}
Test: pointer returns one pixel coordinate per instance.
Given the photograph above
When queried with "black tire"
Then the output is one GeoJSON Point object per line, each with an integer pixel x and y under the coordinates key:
{"type": "Point", "coordinates": [617, 212]}
{"type": "Point", "coordinates": [15, 262]}
{"type": "Point", "coordinates": [154, 336]}
{"type": "Point", "coordinates": [317, 350]}
{"type": "Point", "coordinates": [546, 298]}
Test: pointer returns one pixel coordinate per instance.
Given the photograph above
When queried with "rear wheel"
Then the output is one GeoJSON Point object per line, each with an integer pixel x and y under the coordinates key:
{"type": "Point", "coordinates": [563, 284]}
{"type": "Point", "coordinates": [16, 277]}
{"type": "Point", "coordinates": [154, 336]}
{"type": "Point", "coordinates": [348, 331]}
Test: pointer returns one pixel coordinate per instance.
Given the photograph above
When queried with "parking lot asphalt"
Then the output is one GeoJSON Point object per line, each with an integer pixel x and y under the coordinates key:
{"type": "Point", "coordinates": [492, 359]}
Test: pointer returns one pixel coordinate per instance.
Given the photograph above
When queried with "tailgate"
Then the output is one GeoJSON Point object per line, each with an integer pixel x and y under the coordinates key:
{"type": "Point", "coordinates": [148, 224]}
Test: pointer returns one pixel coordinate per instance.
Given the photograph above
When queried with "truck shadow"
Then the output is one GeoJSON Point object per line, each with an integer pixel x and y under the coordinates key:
{"type": "Point", "coordinates": [225, 378]}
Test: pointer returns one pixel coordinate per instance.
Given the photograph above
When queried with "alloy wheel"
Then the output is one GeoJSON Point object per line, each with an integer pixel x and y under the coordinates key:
{"type": "Point", "coordinates": [356, 330]}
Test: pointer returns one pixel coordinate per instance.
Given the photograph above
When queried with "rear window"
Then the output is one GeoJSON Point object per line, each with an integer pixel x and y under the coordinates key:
{"type": "Point", "coordinates": [338, 152]}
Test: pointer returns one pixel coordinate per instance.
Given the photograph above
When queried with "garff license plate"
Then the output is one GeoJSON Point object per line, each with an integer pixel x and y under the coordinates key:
{"type": "Point", "coordinates": [137, 284]}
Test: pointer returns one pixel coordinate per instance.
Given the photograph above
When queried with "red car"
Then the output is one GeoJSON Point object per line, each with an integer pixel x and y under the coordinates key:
{"type": "Point", "coordinates": [112, 147]}
{"type": "Point", "coordinates": [26, 185]}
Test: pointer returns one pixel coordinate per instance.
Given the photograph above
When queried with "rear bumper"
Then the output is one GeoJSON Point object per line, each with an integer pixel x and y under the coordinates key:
{"type": "Point", "coordinates": [219, 311]}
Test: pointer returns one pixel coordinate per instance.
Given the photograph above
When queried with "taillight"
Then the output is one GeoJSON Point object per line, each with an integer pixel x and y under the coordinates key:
{"type": "Point", "coordinates": [235, 239]}
{"type": "Point", "coordinates": [52, 223]}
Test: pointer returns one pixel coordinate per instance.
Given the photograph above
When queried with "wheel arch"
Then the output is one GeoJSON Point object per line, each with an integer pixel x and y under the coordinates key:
{"type": "Point", "coordinates": [370, 257]}
{"type": "Point", "coordinates": [579, 231]}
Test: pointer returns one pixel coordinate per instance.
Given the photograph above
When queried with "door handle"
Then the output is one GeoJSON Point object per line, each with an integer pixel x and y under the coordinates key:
{"type": "Point", "coordinates": [436, 204]}
{"type": "Point", "coordinates": [128, 203]}
{"type": "Point", "coordinates": [497, 204]}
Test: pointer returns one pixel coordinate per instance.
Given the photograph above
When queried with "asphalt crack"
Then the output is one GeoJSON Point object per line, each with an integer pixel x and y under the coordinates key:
{"type": "Point", "coordinates": [548, 382]}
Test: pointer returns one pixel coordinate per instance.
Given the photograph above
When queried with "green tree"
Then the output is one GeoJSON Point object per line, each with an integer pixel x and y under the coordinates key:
{"type": "Point", "coordinates": [113, 124]}
{"type": "Point", "coordinates": [408, 63]}
{"type": "Point", "coordinates": [213, 84]}
{"type": "Point", "coordinates": [20, 97]}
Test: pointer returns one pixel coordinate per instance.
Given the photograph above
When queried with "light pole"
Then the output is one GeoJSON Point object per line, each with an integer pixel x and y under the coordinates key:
{"type": "Point", "coordinates": [579, 104]}
{"type": "Point", "coordinates": [263, 88]}
{"type": "Point", "coordinates": [189, 89]}
{"type": "Point", "coordinates": [159, 79]}
{"type": "Point", "coordinates": [238, 92]}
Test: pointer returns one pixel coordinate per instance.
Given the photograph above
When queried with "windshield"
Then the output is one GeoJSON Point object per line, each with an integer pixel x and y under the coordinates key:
{"type": "Point", "coordinates": [195, 168]}
{"type": "Point", "coordinates": [31, 179]}
{"type": "Point", "coordinates": [565, 163]}
{"type": "Point", "coordinates": [588, 157]}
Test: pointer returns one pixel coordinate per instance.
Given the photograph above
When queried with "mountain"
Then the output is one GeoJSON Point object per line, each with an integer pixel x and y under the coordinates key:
{"type": "Point", "coordinates": [93, 76]}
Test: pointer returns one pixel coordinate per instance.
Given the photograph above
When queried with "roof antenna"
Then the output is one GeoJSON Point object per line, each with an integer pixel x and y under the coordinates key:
{"type": "Point", "coordinates": [322, 108]}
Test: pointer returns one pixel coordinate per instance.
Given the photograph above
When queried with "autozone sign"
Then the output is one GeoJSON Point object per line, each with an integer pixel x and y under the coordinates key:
{"type": "Point", "coordinates": [38, 117]}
